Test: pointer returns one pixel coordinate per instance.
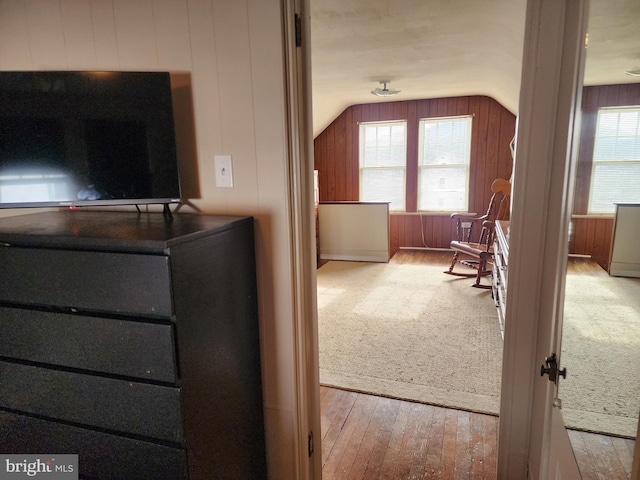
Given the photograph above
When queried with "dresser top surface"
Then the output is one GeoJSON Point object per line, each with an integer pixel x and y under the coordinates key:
{"type": "Point", "coordinates": [107, 229]}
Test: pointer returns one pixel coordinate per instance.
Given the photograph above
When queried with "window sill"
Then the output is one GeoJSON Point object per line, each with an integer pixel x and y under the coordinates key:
{"type": "Point", "coordinates": [431, 214]}
{"type": "Point", "coordinates": [594, 215]}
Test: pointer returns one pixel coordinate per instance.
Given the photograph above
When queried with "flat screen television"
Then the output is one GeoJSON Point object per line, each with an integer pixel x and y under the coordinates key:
{"type": "Point", "coordinates": [86, 138]}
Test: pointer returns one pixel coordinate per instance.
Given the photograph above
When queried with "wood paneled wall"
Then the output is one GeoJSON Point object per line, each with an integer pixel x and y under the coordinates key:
{"type": "Point", "coordinates": [337, 160]}
{"type": "Point", "coordinates": [591, 235]}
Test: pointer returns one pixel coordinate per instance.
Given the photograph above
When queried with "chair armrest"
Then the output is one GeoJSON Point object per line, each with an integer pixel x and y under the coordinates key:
{"type": "Point", "coordinates": [467, 217]}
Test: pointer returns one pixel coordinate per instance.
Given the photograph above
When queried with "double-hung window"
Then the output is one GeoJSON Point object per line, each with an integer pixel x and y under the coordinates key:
{"type": "Point", "coordinates": [615, 176]}
{"type": "Point", "coordinates": [444, 154]}
{"type": "Point", "coordinates": [383, 160]}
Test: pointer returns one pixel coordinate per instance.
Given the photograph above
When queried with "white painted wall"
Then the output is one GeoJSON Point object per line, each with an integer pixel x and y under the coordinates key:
{"type": "Point", "coordinates": [231, 54]}
{"type": "Point", "coordinates": [354, 231]}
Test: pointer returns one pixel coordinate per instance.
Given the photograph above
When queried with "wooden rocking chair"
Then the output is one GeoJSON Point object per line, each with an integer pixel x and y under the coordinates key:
{"type": "Point", "coordinates": [480, 249]}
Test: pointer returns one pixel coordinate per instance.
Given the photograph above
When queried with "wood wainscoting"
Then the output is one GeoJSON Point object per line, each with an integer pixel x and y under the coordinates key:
{"type": "Point", "coordinates": [591, 236]}
{"type": "Point", "coordinates": [420, 231]}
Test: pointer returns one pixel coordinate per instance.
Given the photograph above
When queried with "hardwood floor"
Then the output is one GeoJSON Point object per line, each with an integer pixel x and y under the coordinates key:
{"type": "Point", "coordinates": [600, 457]}
{"type": "Point", "coordinates": [369, 437]}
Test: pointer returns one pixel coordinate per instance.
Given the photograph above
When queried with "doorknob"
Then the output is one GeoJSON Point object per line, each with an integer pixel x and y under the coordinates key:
{"type": "Point", "coordinates": [552, 369]}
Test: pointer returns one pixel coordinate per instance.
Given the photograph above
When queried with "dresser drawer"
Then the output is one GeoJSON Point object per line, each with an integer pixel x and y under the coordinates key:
{"type": "Point", "coordinates": [96, 281]}
{"type": "Point", "coordinates": [136, 408]}
{"type": "Point", "coordinates": [101, 456]}
{"type": "Point", "coordinates": [107, 345]}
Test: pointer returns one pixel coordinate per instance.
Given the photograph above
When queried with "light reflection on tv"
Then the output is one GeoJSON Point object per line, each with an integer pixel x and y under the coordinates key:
{"type": "Point", "coordinates": [25, 186]}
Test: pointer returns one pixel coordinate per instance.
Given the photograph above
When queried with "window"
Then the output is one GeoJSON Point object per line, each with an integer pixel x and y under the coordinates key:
{"type": "Point", "coordinates": [383, 159]}
{"type": "Point", "coordinates": [444, 154]}
{"type": "Point", "coordinates": [615, 175]}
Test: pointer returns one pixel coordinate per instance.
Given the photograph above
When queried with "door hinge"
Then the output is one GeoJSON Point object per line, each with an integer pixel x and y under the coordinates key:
{"type": "Point", "coordinates": [298, 31]}
{"type": "Point", "coordinates": [310, 444]}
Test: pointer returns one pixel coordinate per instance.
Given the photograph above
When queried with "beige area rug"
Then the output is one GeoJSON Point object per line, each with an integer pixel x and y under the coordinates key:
{"type": "Point", "coordinates": [409, 331]}
{"type": "Point", "coordinates": [601, 351]}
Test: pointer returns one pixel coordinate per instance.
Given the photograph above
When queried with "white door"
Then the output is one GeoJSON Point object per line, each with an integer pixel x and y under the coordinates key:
{"type": "Point", "coordinates": [556, 459]}
{"type": "Point", "coordinates": [533, 441]}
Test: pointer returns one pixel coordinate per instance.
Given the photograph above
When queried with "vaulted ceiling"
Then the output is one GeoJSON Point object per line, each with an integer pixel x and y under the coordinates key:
{"type": "Point", "coordinates": [436, 48]}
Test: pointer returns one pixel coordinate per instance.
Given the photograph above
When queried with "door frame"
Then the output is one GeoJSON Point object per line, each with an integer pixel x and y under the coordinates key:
{"type": "Point", "coordinates": [297, 55]}
{"type": "Point", "coordinates": [543, 147]}
{"type": "Point", "coordinates": [551, 90]}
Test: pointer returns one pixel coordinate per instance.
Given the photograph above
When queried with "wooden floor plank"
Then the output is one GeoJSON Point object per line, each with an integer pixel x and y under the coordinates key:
{"type": "Point", "coordinates": [490, 432]}
{"type": "Point", "coordinates": [385, 418]}
{"type": "Point", "coordinates": [581, 452]}
{"type": "Point", "coordinates": [435, 440]}
{"type": "Point", "coordinates": [347, 445]}
{"type": "Point", "coordinates": [448, 458]}
{"type": "Point", "coordinates": [463, 443]}
{"type": "Point", "coordinates": [326, 410]}
{"type": "Point", "coordinates": [337, 414]}
{"type": "Point", "coordinates": [477, 445]}
{"type": "Point", "coordinates": [365, 449]}
{"type": "Point", "coordinates": [600, 462]}
{"type": "Point", "coordinates": [599, 456]}
{"type": "Point", "coordinates": [611, 458]}
{"type": "Point", "coordinates": [411, 456]}
{"type": "Point", "coordinates": [395, 441]}
{"type": "Point", "coordinates": [624, 449]}
{"type": "Point", "coordinates": [417, 448]}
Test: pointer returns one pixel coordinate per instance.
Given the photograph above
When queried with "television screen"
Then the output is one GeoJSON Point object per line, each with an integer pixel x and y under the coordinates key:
{"type": "Point", "coordinates": [86, 138]}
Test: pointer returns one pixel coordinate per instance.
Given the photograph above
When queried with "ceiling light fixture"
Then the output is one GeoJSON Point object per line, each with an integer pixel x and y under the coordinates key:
{"type": "Point", "coordinates": [633, 73]}
{"type": "Point", "coordinates": [384, 92]}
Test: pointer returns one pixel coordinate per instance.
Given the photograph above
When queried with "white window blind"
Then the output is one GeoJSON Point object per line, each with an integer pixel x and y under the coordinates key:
{"type": "Point", "coordinates": [383, 160]}
{"type": "Point", "coordinates": [615, 176]}
{"type": "Point", "coordinates": [443, 163]}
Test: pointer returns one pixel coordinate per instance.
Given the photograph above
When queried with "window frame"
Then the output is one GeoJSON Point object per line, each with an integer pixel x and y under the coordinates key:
{"type": "Point", "coordinates": [422, 166]}
{"type": "Point", "coordinates": [595, 163]}
{"type": "Point", "coordinates": [361, 160]}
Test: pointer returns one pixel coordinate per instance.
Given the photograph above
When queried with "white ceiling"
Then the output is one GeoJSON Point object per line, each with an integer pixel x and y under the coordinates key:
{"type": "Point", "coordinates": [446, 48]}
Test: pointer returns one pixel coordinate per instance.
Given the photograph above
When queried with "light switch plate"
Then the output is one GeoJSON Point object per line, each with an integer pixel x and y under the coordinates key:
{"type": "Point", "coordinates": [224, 171]}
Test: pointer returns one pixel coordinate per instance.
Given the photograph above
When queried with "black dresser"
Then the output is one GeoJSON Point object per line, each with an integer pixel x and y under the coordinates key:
{"type": "Point", "coordinates": [132, 340]}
